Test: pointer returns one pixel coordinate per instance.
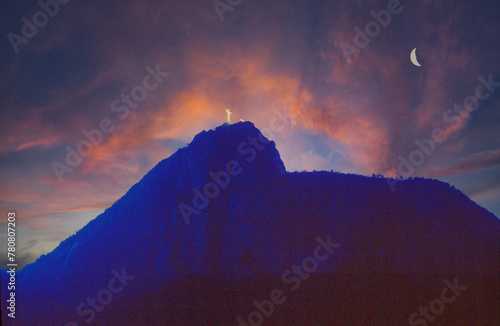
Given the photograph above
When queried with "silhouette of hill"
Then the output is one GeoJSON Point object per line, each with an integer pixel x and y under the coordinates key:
{"type": "Point", "coordinates": [220, 223]}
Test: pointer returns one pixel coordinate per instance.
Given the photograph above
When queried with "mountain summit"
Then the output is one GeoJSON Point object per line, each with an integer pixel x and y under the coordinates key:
{"type": "Point", "coordinates": [219, 232]}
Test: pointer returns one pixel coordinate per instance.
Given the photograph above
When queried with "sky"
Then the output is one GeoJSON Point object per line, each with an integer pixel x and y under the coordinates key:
{"type": "Point", "coordinates": [93, 94]}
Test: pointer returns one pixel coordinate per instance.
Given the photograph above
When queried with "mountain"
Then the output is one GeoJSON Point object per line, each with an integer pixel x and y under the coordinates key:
{"type": "Point", "coordinates": [220, 234]}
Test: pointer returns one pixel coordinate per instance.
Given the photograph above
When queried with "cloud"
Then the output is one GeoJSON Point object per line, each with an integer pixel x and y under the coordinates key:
{"type": "Point", "coordinates": [485, 160]}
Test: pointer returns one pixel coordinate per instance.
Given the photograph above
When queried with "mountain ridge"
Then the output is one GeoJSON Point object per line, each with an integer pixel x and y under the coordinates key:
{"type": "Point", "coordinates": [262, 212]}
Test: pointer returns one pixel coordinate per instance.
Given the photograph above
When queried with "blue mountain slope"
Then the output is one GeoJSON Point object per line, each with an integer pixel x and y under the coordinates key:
{"type": "Point", "coordinates": [223, 209]}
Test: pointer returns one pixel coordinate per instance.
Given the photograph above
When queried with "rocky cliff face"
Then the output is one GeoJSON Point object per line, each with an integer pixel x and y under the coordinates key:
{"type": "Point", "coordinates": [222, 214]}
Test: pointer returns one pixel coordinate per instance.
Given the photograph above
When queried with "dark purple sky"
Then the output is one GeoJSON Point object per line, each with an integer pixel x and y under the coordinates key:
{"type": "Point", "coordinates": [151, 74]}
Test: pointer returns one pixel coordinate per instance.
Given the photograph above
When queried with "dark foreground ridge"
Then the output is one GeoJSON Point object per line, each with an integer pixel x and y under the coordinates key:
{"type": "Point", "coordinates": [220, 234]}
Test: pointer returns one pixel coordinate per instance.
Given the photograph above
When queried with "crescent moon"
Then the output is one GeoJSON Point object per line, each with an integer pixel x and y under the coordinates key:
{"type": "Point", "coordinates": [413, 57]}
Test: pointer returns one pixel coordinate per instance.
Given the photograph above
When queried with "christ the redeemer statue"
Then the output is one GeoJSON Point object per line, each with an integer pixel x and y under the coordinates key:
{"type": "Point", "coordinates": [228, 111]}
